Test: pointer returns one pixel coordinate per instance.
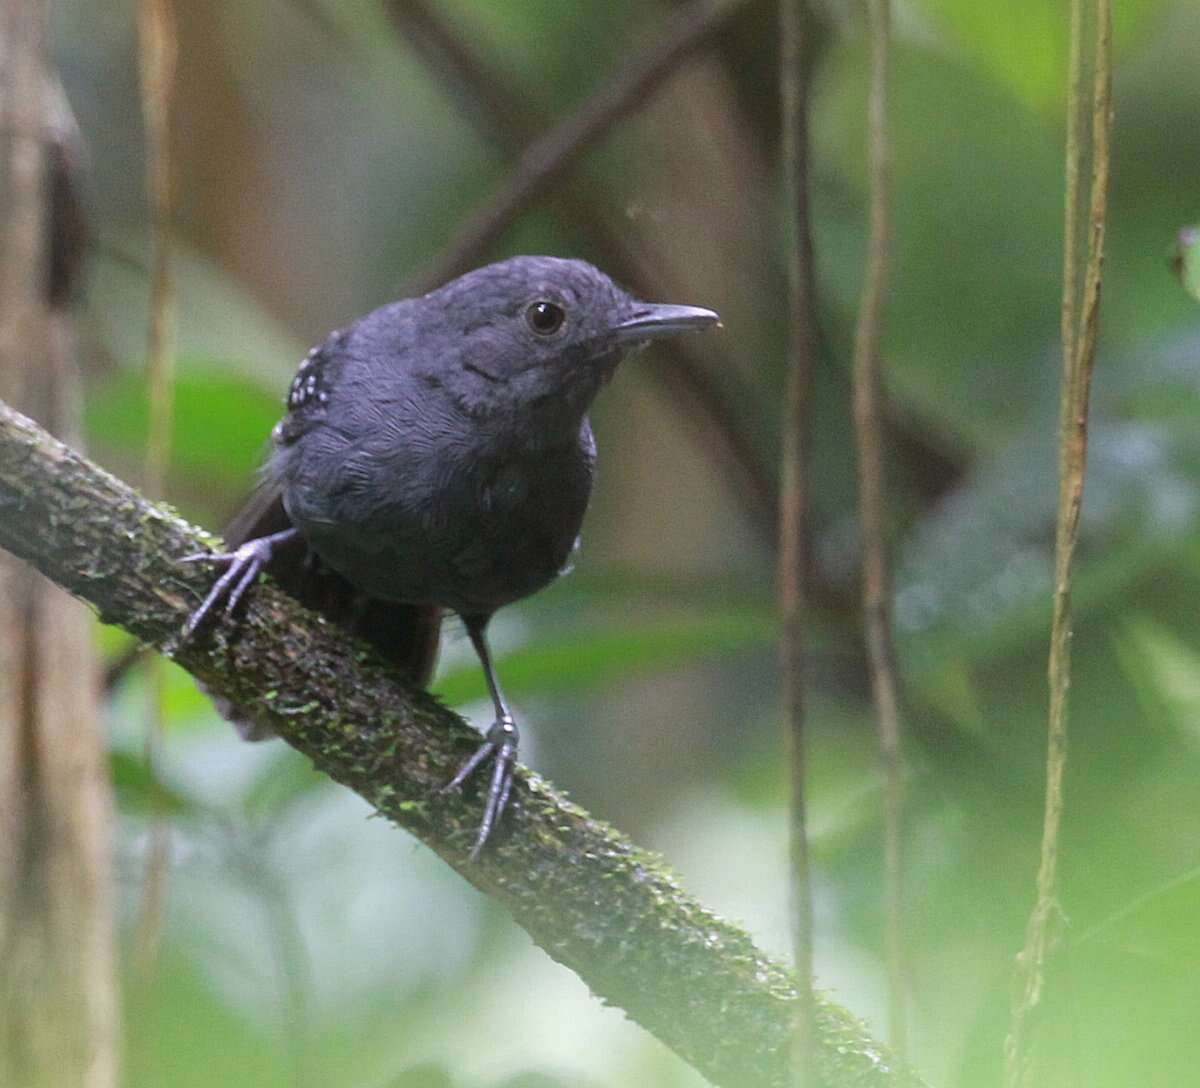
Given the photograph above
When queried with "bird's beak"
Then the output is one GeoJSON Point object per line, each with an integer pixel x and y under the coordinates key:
{"type": "Point", "coordinates": [653, 320]}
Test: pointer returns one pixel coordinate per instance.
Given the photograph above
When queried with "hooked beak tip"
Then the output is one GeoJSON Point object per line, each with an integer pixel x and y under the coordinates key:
{"type": "Point", "coordinates": [652, 321]}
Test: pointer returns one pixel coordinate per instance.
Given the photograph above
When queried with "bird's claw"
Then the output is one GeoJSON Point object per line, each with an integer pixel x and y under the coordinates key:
{"type": "Point", "coordinates": [244, 565]}
{"type": "Point", "coordinates": [501, 747]}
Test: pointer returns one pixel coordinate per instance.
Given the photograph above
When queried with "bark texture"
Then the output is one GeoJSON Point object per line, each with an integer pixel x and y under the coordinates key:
{"type": "Point", "coordinates": [58, 990]}
{"type": "Point", "coordinates": [594, 901]}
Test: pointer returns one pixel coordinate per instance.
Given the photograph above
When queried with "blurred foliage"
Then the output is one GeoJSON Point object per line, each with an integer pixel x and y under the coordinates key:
{"type": "Point", "coordinates": [321, 163]}
{"type": "Point", "coordinates": [1023, 44]}
{"type": "Point", "coordinates": [1186, 260]}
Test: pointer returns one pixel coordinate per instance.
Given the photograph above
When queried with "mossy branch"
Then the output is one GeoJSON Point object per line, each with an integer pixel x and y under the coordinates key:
{"type": "Point", "coordinates": [595, 902]}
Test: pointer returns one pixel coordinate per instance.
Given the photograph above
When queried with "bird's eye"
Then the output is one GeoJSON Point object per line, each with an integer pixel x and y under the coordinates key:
{"type": "Point", "coordinates": [545, 318]}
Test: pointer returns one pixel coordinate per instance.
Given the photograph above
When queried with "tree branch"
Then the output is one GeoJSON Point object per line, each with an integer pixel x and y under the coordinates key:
{"type": "Point", "coordinates": [594, 901]}
{"type": "Point", "coordinates": [510, 120]}
{"type": "Point", "coordinates": [546, 158]}
{"type": "Point", "coordinates": [59, 995]}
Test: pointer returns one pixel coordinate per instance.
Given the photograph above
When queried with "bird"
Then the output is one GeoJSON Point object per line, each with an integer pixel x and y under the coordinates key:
{"type": "Point", "coordinates": [436, 457]}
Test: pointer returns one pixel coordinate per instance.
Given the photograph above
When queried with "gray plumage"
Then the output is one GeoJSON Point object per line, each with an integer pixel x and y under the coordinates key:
{"type": "Point", "coordinates": [436, 454]}
{"type": "Point", "coordinates": [438, 450]}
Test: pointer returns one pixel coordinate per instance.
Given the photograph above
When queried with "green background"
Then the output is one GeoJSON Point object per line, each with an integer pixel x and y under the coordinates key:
{"type": "Point", "coordinates": [322, 164]}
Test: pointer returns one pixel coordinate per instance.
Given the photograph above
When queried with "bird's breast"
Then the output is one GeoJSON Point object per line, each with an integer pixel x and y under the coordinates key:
{"type": "Point", "coordinates": [525, 514]}
{"type": "Point", "coordinates": [466, 529]}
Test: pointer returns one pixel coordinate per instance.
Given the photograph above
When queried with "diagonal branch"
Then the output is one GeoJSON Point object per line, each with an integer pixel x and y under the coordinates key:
{"type": "Point", "coordinates": [498, 111]}
{"type": "Point", "coordinates": [561, 147]}
{"type": "Point", "coordinates": [510, 120]}
{"type": "Point", "coordinates": [587, 895]}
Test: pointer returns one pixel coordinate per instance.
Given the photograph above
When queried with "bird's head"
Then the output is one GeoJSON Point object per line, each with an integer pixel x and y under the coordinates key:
{"type": "Point", "coordinates": [539, 336]}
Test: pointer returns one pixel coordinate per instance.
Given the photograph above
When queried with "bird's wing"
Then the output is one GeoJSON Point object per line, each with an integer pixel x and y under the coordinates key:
{"type": "Point", "coordinates": [308, 395]}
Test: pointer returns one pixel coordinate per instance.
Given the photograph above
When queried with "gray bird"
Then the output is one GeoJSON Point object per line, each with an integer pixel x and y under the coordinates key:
{"type": "Point", "coordinates": [436, 456]}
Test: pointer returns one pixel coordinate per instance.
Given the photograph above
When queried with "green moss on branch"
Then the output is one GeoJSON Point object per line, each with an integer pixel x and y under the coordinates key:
{"type": "Point", "coordinates": [594, 901]}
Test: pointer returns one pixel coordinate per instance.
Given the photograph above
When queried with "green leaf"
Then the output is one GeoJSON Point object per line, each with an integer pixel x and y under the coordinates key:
{"type": "Point", "coordinates": [138, 792]}
{"type": "Point", "coordinates": [1023, 43]}
{"type": "Point", "coordinates": [973, 577]}
{"type": "Point", "coordinates": [288, 777]}
{"type": "Point", "coordinates": [1165, 672]}
{"type": "Point", "coordinates": [222, 420]}
{"type": "Point", "coordinates": [562, 661]}
{"type": "Point", "coordinates": [184, 706]}
{"type": "Point", "coordinates": [112, 642]}
{"type": "Point", "coordinates": [1160, 921]}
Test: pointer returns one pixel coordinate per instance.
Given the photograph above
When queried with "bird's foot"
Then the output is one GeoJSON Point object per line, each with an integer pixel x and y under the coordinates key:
{"type": "Point", "coordinates": [501, 747]}
{"type": "Point", "coordinates": [244, 566]}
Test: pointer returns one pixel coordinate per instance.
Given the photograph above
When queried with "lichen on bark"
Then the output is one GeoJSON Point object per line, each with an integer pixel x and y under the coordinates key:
{"type": "Point", "coordinates": [609, 911]}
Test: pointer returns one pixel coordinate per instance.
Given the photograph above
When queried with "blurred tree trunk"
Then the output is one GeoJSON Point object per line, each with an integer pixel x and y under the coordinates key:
{"type": "Point", "coordinates": [58, 992]}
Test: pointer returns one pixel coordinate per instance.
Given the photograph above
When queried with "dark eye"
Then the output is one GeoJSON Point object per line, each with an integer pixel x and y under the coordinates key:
{"type": "Point", "coordinates": [545, 318]}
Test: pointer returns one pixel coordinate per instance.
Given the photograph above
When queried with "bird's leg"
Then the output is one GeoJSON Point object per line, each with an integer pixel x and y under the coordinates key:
{"type": "Point", "coordinates": [245, 564]}
{"type": "Point", "coordinates": [500, 746]}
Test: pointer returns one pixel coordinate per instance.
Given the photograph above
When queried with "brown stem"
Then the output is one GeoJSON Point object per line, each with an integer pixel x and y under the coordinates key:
{"type": "Point", "coordinates": [157, 50]}
{"type": "Point", "coordinates": [59, 1003]}
{"type": "Point", "coordinates": [795, 56]}
{"type": "Point", "coordinates": [869, 434]}
{"type": "Point", "coordinates": [156, 53]}
{"type": "Point", "coordinates": [1080, 326]}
